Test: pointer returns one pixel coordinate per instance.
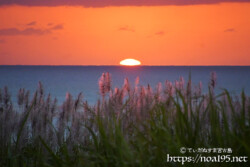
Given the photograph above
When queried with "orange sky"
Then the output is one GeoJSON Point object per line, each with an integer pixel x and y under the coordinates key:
{"type": "Point", "coordinates": [216, 34]}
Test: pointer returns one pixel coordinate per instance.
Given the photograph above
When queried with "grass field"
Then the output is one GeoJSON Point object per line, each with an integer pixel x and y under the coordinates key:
{"type": "Point", "coordinates": [129, 126]}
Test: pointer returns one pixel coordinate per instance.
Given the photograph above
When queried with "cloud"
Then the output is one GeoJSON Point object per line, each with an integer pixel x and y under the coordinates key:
{"type": "Point", "coordinates": [31, 23]}
{"type": "Point", "coordinates": [230, 30]}
{"type": "Point", "coordinates": [2, 41]}
{"type": "Point", "coordinates": [28, 31]}
{"type": "Point", "coordinates": [57, 27]}
{"type": "Point", "coordinates": [160, 33]}
{"type": "Point", "coordinates": [104, 3]}
{"type": "Point", "coordinates": [126, 28]}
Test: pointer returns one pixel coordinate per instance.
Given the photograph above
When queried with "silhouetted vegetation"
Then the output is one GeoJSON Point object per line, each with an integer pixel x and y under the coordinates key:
{"type": "Point", "coordinates": [129, 126]}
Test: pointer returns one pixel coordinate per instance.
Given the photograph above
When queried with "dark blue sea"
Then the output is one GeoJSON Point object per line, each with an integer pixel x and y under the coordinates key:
{"type": "Point", "coordinates": [57, 80]}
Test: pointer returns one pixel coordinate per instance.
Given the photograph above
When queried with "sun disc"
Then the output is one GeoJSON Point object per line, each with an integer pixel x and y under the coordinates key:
{"type": "Point", "coordinates": [130, 62]}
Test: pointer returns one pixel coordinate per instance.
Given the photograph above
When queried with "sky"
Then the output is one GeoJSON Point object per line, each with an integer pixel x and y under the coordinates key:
{"type": "Point", "coordinates": [104, 32]}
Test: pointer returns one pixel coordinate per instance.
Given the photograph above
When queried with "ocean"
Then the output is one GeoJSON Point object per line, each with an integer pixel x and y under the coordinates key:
{"type": "Point", "coordinates": [58, 80]}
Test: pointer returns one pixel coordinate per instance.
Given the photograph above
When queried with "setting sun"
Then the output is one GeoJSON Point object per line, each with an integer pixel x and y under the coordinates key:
{"type": "Point", "coordinates": [130, 62]}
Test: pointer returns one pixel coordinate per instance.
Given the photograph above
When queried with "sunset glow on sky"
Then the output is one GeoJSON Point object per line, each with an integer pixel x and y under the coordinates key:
{"type": "Point", "coordinates": [193, 34]}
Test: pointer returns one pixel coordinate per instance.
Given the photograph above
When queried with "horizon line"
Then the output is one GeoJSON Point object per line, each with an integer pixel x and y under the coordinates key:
{"type": "Point", "coordinates": [134, 66]}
